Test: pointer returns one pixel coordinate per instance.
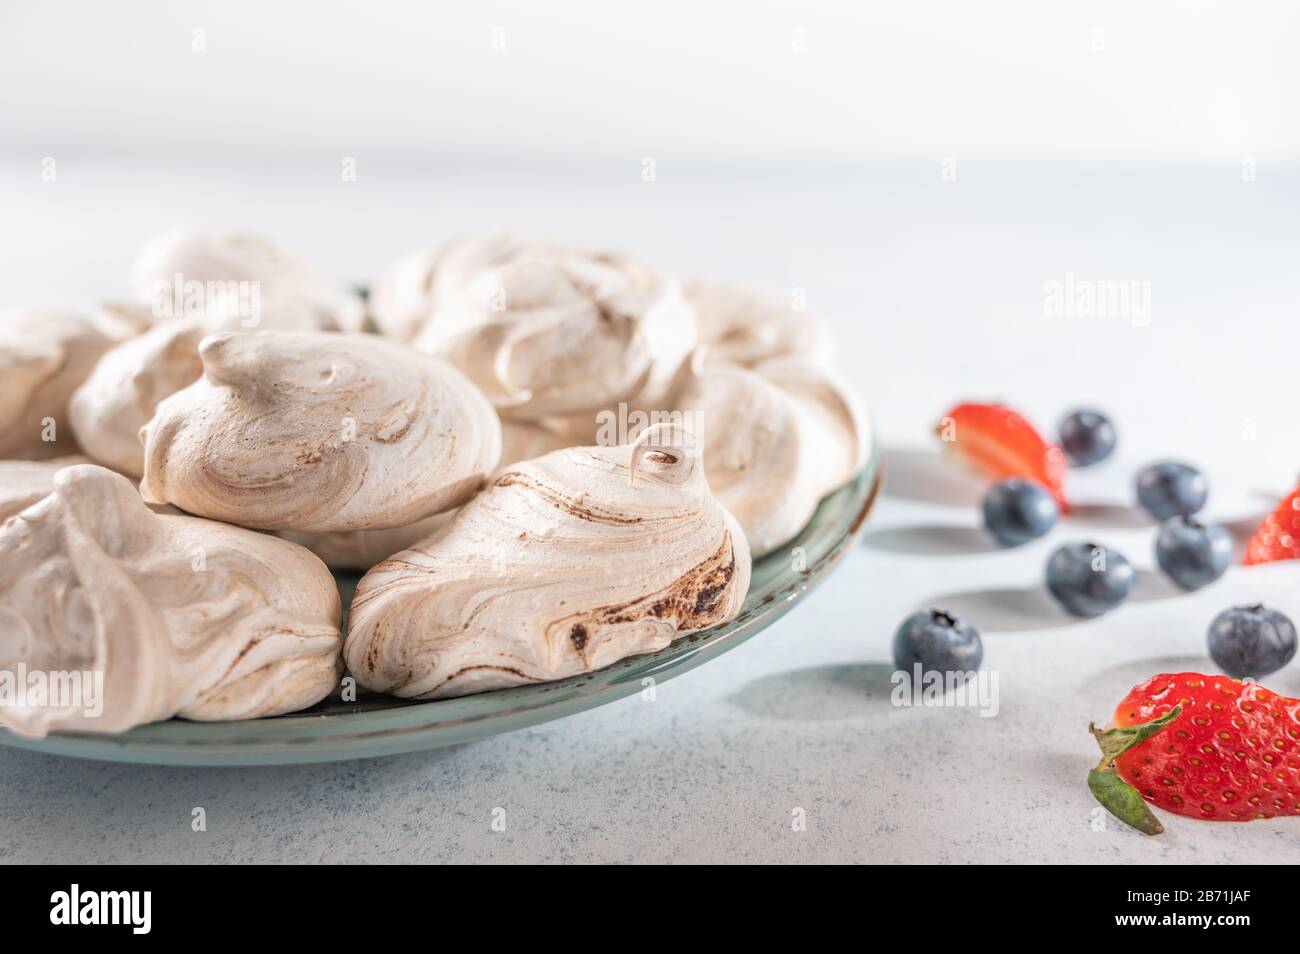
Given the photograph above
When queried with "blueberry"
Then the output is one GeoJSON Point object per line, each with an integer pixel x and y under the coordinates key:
{"type": "Point", "coordinates": [1251, 641]}
{"type": "Point", "coordinates": [1191, 553]}
{"type": "Point", "coordinates": [1088, 579]}
{"type": "Point", "coordinates": [939, 641]}
{"type": "Point", "coordinates": [1087, 436]}
{"type": "Point", "coordinates": [1170, 489]}
{"type": "Point", "coordinates": [1017, 511]}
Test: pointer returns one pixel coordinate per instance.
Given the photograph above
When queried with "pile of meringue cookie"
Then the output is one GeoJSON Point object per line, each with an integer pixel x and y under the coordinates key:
{"type": "Point", "coordinates": [175, 484]}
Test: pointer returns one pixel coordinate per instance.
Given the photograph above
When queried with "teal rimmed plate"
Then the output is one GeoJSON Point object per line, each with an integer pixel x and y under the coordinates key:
{"type": "Point", "coordinates": [381, 725]}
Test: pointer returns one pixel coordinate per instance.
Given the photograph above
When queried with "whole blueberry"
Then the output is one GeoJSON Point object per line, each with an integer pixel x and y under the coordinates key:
{"type": "Point", "coordinates": [1017, 511]}
{"type": "Point", "coordinates": [1088, 579]}
{"type": "Point", "coordinates": [939, 641]}
{"type": "Point", "coordinates": [1087, 437]}
{"type": "Point", "coordinates": [1251, 641]}
{"type": "Point", "coordinates": [1191, 553]}
{"type": "Point", "coordinates": [1170, 489]}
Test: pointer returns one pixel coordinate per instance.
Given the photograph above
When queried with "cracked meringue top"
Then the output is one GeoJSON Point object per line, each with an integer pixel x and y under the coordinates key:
{"type": "Point", "coordinates": [541, 328]}
{"type": "Point", "coordinates": [775, 440]}
{"type": "Point", "coordinates": [182, 616]}
{"type": "Point", "coordinates": [44, 355]}
{"type": "Point", "coordinates": [192, 272]}
{"type": "Point", "coordinates": [743, 326]}
{"type": "Point", "coordinates": [563, 565]}
{"type": "Point", "coordinates": [316, 431]}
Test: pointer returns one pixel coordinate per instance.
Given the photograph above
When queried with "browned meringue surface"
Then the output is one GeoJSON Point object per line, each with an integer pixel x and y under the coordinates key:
{"type": "Point", "coordinates": [775, 440]}
{"type": "Point", "coordinates": [293, 295]}
{"type": "Point", "coordinates": [563, 565]}
{"type": "Point", "coordinates": [541, 328]}
{"type": "Point", "coordinates": [319, 432]}
{"type": "Point", "coordinates": [23, 482]}
{"type": "Point", "coordinates": [183, 616]}
{"type": "Point", "coordinates": [44, 355]}
{"type": "Point", "coordinates": [743, 326]}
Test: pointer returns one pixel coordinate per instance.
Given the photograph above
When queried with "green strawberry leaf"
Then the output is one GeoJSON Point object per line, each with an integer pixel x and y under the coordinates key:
{"type": "Point", "coordinates": [1123, 801]}
{"type": "Point", "coordinates": [1113, 793]}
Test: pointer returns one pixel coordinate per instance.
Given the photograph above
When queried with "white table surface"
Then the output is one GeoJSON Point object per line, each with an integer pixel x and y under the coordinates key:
{"type": "Point", "coordinates": [935, 290]}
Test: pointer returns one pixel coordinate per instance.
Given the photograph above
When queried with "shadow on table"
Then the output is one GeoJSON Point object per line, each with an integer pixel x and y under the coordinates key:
{"type": "Point", "coordinates": [1007, 609]}
{"type": "Point", "coordinates": [918, 474]}
{"type": "Point", "coordinates": [932, 540]}
{"type": "Point", "coordinates": [1106, 516]}
{"type": "Point", "coordinates": [831, 693]}
{"type": "Point", "coordinates": [1114, 682]}
{"type": "Point", "coordinates": [1154, 586]}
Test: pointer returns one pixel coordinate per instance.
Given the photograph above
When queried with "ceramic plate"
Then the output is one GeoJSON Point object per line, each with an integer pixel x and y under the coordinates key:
{"type": "Point", "coordinates": [381, 725]}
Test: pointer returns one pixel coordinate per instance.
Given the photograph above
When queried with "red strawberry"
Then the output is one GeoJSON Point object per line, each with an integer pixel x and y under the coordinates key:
{"type": "Point", "coordinates": [1278, 537]}
{"type": "Point", "coordinates": [1207, 747]}
{"type": "Point", "coordinates": [998, 441]}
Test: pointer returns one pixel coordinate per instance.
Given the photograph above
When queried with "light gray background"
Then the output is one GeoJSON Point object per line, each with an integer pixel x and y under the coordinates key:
{"type": "Point", "coordinates": [935, 289]}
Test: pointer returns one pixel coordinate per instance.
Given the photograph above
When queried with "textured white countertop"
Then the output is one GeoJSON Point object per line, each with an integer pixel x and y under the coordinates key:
{"type": "Point", "coordinates": [936, 290]}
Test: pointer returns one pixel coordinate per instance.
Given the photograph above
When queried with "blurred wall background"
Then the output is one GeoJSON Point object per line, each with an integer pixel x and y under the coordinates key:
{"type": "Point", "coordinates": [922, 171]}
{"type": "Point", "coordinates": [719, 81]}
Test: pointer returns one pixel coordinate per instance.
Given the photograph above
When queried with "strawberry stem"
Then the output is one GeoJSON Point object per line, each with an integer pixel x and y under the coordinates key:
{"type": "Point", "coordinates": [1113, 793]}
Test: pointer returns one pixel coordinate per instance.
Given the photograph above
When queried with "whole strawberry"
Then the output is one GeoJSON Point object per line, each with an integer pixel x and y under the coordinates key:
{"type": "Point", "coordinates": [998, 441]}
{"type": "Point", "coordinates": [1278, 537]}
{"type": "Point", "coordinates": [1207, 747]}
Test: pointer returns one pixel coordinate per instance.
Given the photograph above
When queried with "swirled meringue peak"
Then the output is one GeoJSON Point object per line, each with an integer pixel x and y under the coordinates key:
{"type": "Point", "coordinates": [240, 277]}
{"type": "Point", "coordinates": [743, 326]}
{"type": "Point", "coordinates": [127, 616]}
{"type": "Point", "coordinates": [545, 329]}
{"type": "Point", "coordinates": [775, 440]}
{"type": "Point", "coordinates": [44, 355]}
{"type": "Point", "coordinates": [316, 431]}
{"type": "Point", "coordinates": [111, 406]}
{"type": "Point", "coordinates": [563, 565]}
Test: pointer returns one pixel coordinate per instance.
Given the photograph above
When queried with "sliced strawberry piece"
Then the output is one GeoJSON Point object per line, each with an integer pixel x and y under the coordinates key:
{"type": "Point", "coordinates": [1278, 537]}
{"type": "Point", "coordinates": [1000, 443]}
{"type": "Point", "coordinates": [1207, 747]}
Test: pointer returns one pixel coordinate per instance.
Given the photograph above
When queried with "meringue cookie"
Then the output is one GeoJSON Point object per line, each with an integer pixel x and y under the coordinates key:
{"type": "Point", "coordinates": [544, 329]}
{"type": "Point", "coordinates": [524, 440]}
{"type": "Point", "coordinates": [111, 406]}
{"type": "Point", "coordinates": [23, 482]}
{"type": "Point", "coordinates": [44, 355]}
{"type": "Point", "coordinates": [315, 431]}
{"type": "Point", "coordinates": [401, 301]}
{"type": "Point", "coordinates": [182, 616]}
{"type": "Point", "coordinates": [282, 291]}
{"type": "Point", "coordinates": [362, 549]}
{"type": "Point", "coordinates": [775, 440]}
{"type": "Point", "coordinates": [565, 564]}
{"type": "Point", "coordinates": [745, 327]}
{"type": "Point", "coordinates": [359, 550]}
